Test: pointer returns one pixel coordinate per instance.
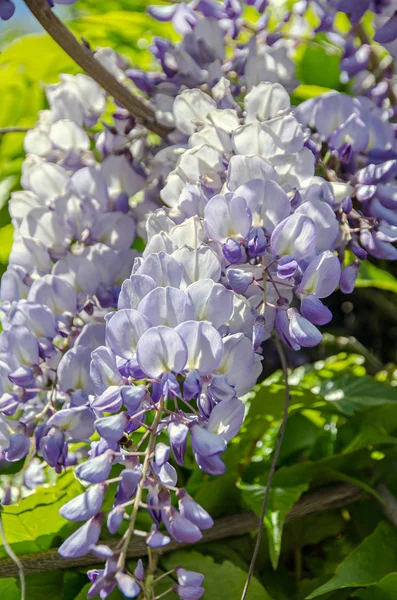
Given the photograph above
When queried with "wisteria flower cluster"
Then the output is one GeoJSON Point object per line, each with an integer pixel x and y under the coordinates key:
{"type": "Point", "coordinates": [129, 365]}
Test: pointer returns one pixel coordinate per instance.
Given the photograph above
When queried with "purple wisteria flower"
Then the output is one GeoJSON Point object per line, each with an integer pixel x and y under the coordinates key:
{"type": "Point", "coordinates": [129, 366]}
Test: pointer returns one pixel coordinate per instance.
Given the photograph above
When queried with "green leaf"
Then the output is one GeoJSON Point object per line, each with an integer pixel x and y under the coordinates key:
{"type": "Point", "coordinates": [309, 376]}
{"type": "Point", "coordinates": [6, 239]}
{"type": "Point", "coordinates": [38, 57]}
{"type": "Point", "coordinates": [370, 437]}
{"type": "Point", "coordinates": [350, 394]}
{"type": "Point", "coordinates": [217, 495]}
{"type": "Point", "coordinates": [312, 529]}
{"type": "Point", "coordinates": [317, 63]}
{"type": "Point", "coordinates": [9, 589]}
{"type": "Point", "coordinates": [222, 582]}
{"type": "Point", "coordinates": [33, 524]}
{"type": "Point", "coordinates": [301, 435]}
{"type": "Point", "coordinates": [337, 383]}
{"type": "Point", "coordinates": [372, 560]}
{"type": "Point", "coordinates": [82, 595]}
{"type": "Point", "coordinates": [305, 92]}
{"type": "Point", "coordinates": [73, 582]}
{"type": "Point", "coordinates": [267, 400]}
{"type": "Point", "coordinates": [6, 186]}
{"type": "Point", "coordinates": [385, 589]}
{"type": "Point", "coordinates": [370, 427]}
{"type": "Point", "coordinates": [223, 550]}
{"type": "Point", "coordinates": [39, 586]}
{"type": "Point", "coordinates": [45, 585]}
{"type": "Point", "coordinates": [139, 244]}
{"type": "Point", "coordinates": [370, 275]}
{"type": "Point", "coordinates": [288, 485]}
{"type": "Point", "coordinates": [25, 65]}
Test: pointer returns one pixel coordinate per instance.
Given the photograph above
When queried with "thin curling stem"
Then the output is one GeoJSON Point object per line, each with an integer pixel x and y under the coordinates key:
{"type": "Point", "coordinates": [13, 557]}
{"type": "Point", "coordinates": [280, 437]}
{"type": "Point", "coordinates": [84, 58]}
{"type": "Point", "coordinates": [138, 496]}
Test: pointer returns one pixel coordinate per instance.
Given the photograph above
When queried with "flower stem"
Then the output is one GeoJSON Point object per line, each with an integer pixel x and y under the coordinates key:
{"type": "Point", "coordinates": [138, 497]}
{"type": "Point", "coordinates": [4, 130]}
{"type": "Point", "coordinates": [280, 437]}
{"type": "Point", "coordinates": [160, 577]}
{"type": "Point", "coordinates": [163, 594]}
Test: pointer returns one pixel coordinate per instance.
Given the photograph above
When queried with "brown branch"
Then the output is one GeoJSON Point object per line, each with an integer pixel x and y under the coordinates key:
{"type": "Point", "coordinates": [273, 465]}
{"type": "Point", "coordinates": [85, 59]}
{"type": "Point", "coordinates": [311, 503]}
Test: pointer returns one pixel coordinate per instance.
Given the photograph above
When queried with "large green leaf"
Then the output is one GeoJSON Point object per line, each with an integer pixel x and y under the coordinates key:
{"type": "Point", "coordinates": [317, 63]}
{"type": "Point", "coordinates": [218, 495]}
{"type": "Point", "coordinates": [385, 589]}
{"type": "Point", "coordinates": [338, 384]}
{"type": "Point", "coordinates": [73, 582]}
{"type": "Point", "coordinates": [45, 585]}
{"type": "Point", "coordinates": [222, 582]}
{"type": "Point", "coordinates": [9, 589]}
{"type": "Point", "coordinates": [266, 401]}
{"type": "Point", "coordinates": [52, 585]}
{"type": "Point", "coordinates": [372, 560]}
{"type": "Point", "coordinates": [370, 275]}
{"type": "Point", "coordinates": [377, 425]}
{"type": "Point", "coordinates": [288, 485]}
{"type": "Point", "coordinates": [38, 56]}
{"type": "Point", "coordinates": [301, 437]}
{"type": "Point", "coordinates": [312, 529]}
{"type": "Point", "coordinates": [34, 523]}
{"type": "Point", "coordinates": [305, 92]}
{"type": "Point", "coordinates": [349, 394]}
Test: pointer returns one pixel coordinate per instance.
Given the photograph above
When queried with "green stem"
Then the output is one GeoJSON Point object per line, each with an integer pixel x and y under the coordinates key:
{"type": "Point", "coordinates": [273, 465]}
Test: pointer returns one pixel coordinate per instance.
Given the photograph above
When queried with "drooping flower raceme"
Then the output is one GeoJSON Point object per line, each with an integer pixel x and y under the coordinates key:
{"type": "Point", "coordinates": [250, 210]}
{"type": "Point", "coordinates": [246, 186]}
{"type": "Point", "coordinates": [175, 365]}
{"type": "Point", "coordinates": [73, 230]}
{"type": "Point", "coordinates": [361, 144]}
